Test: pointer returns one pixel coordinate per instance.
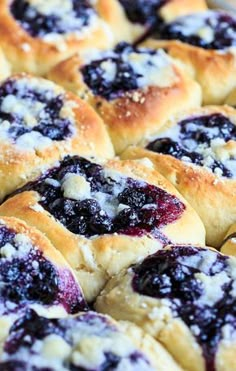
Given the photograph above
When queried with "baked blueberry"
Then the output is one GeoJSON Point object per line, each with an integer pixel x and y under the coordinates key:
{"type": "Point", "coordinates": [32, 111]}
{"type": "Point", "coordinates": [143, 12]}
{"type": "Point", "coordinates": [37, 343]}
{"type": "Point", "coordinates": [114, 74]}
{"type": "Point", "coordinates": [197, 140]}
{"type": "Point", "coordinates": [89, 200]}
{"type": "Point", "coordinates": [40, 19]}
{"type": "Point", "coordinates": [28, 277]}
{"type": "Point", "coordinates": [199, 287]}
{"type": "Point", "coordinates": [209, 30]}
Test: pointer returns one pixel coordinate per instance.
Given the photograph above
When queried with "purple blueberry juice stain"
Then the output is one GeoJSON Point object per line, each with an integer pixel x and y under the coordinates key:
{"type": "Point", "coordinates": [172, 274]}
{"type": "Point", "coordinates": [49, 122]}
{"type": "Point", "coordinates": [145, 208]}
{"type": "Point", "coordinates": [222, 25]}
{"type": "Point", "coordinates": [31, 329]}
{"type": "Point", "coordinates": [59, 21]}
{"type": "Point", "coordinates": [143, 12]}
{"type": "Point", "coordinates": [124, 77]}
{"type": "Point", "coordinates": [192, 133]}
{"type": "Point", "coordinates": [29, 278]}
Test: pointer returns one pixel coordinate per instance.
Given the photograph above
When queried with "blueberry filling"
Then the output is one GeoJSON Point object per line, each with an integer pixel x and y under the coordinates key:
{"type": "Point", "coordinates": [46, 120]}
{"type": "Point", "coordinates": [192, 139]}
{"type": "Point", "coordinates": [58, 20]}
{"type": "Point", "coordinates": [29, 333]}
{"type": "Point", "coordinates": [122, 70]}
{"type": "Point", "coordinates": [29, 278]}
{"type": "Point", "coordinates": [176, 274]}
{"type": "Point", "coordinates": [208, 128]}
{"type": "Point", "coordinates": [112, 203]}
{"type": "Point", "coordinates": [143, 12]}
{"type": "Point", "coordinates": [210, 30]}
{"type": "Point", "coordinates": [6, 235]}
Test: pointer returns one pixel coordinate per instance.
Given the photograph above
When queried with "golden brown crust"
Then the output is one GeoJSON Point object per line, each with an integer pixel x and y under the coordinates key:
{"type": "Point", "coordinates": [113, 13]}
{"type": "Point", "coordinates": [95, 260]}
{"type": "Point", "coordinates": [34, 55]}
{"type": "Point", "coordinates": [18, 165]}
{"type": "Point", "coordinates": [228, 245]}
{"type": "Point", "coordinates": [139, 113]}
{"type": "Point", "coordinates": [119, 300]}
{"type": "Point", "coordinates": [212, 197]}
{"type": "Point", "coordinates": [214, 71]}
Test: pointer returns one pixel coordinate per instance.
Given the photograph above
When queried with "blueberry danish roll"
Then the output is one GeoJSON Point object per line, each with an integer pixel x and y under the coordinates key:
{"type": "Point", "coordinates": [134, 89]}
{"type": "Point", "coordinates": [197, 153]}
{"type": "Point", "coordinates": [41, 123]}
{"type": "Point", "coordinates": [185, 297]}
{"type": "Point", "coordinates": [88, 341]}
{"type": "Point", "coordinates": [37, 34]}
{"type": "Point", "coordinates": [205, 43]}
{"type": "Point", "coordinates": [33, 274]}
{"type": "Point", "coordinates": [103, 219]}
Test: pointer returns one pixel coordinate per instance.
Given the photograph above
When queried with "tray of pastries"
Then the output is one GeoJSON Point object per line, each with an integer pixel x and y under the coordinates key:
{"type": "Point", "coordinates": [117, 185]}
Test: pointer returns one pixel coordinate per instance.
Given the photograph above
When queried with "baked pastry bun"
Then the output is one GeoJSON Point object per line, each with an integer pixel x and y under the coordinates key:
{"type": "Point", "coordinates": [88, 341]}
{"type": "Point", "coordinates": [103, 219]}
{"type": "Point", "coordinates": [41, 123]}
{"type": "Point", "coordinates": [135, 90]}
{"type": "Point", "coordinates": [33, 275]}
{"type": "Point", "coordinates": [197, 153]}
{"type": "Point", "coordinates": [183, 296]}
{"type": "Point", "coordinates": [205, 43]}
{"type": "Point", "coordinates": [134, 19]}
{"type": "Point", "coordinates": [37, 34]}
